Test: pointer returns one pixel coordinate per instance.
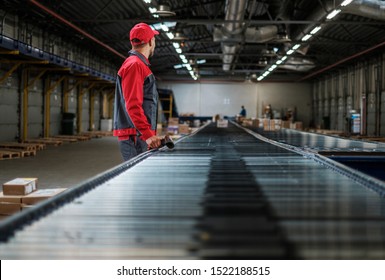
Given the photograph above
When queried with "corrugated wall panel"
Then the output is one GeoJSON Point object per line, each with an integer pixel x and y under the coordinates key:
{"type": "Point", "coordinates": [382, 127]}
{"type": "Point", "coordinates": [85, 113]}
{"type": "Point", "coordinates": [371, 116]}
{"type": "Point", "coordinates": [97, 106]}
{"type": "Point", "coordinates": [56, 109]}
{"type": "Point", "coordinates": [35, 111]}
{"type": "Point", "coordinates": [9, 119]}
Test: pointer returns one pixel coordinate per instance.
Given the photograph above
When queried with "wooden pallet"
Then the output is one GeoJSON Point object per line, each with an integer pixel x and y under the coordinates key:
{"type": "Point", "coordinates": [44, 141]}
{"type": "Point", "coordinates": [76, 137]}
{"type": "Point", "coordinates": [64, 140]}
{"type": "Point", "coordinates": [97, 134]}
{"type": "Point", "coordinates": [22, 153]}
{"type": "Point", "coordinates": [21, 146]}
{"type": "Point", "coordinates": [4, 154]}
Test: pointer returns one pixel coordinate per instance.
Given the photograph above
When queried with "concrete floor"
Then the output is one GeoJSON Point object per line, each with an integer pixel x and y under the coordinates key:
{"type": "Point", "coordinates": [66, 165]}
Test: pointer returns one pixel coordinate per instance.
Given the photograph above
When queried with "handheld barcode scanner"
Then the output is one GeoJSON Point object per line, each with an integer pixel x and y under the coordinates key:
{"type": "Point", "coordinates": [167, 141]}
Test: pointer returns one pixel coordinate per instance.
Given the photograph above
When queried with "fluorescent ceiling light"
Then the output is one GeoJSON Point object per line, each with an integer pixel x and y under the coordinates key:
{"type": "Point", "coordinates": [164, 27]}
{"type": "Point", "coordinates": [176, 45]}
{"type": "Point", "coordinates": [201, 61]}
{"type": "Point", "coordinates": [152, 10]}
{"type": "Point", "coordinates": [147, 1]}
{"type": "Point", "coordinates": [170, 35]}
{"type": "Point", "coordinates": [260, 78]}
{"type": "Point", "coordinates": [178, 50]}
{"type": "Point", "coordinates": [284, 58]}
{"type": "Point", "coordinates": [296, 46]}
{"type": "Point", "coordinates": [279, 62]}
{"type": "Point", "coordinates": [306, 37]}
{"type": "Point", "coordinates": [333, 14]}
{"type": "Point", "coordinates": [184, 60]}
{"type": "Point", "coordinates": [346, 2]}
{"type": "Point", "coordinates": [182, 56]}
{"type": "Point", "coordinates": [289, 52]}
{"type": "Point", "coordinates": [178, 66]}
{"type": "Point", "coordinates": [315, 30]}
{"type": "Point", "coordinates": [188, 66]}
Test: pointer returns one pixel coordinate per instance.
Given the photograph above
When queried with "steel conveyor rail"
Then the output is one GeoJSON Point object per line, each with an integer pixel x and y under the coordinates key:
{"type": "Point", "coordinates": [220, 194]}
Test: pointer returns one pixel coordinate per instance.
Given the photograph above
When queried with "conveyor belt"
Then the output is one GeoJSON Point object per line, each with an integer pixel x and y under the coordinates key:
{"type": "Point", "coordinates": [321, 143]}
{"type": "Point", "coordinates": [220, 194]}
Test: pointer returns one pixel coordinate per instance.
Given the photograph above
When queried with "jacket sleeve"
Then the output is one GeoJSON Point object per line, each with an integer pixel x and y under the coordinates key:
{"type": "Point", "coordinates": [132, 86]}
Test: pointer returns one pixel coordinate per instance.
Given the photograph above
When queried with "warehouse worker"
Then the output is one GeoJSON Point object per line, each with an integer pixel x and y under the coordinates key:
{"type": "Point", "coordinates": [242, 113]}
{"type": "Point", "coordinates": [136, 96]}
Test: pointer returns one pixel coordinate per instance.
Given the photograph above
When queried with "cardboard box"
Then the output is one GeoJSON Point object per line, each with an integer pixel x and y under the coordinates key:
{"type": "Point", "coordinates": [184, 129]}
{"type": "Point", "coordinates": [296, 125]}
{"type": "Point", "coordinates": [8, 208]}
{"type": "Point", "coordinates": [222, 123]}
{"type": "Point", "coordinates": [26, 206]}
{"type": "Point", "coordinates": [286, 124]}
{"type": "Point", "coordinates": [275, 124]}
{"type": "Point", "coordinates": [20, 186]}
{"type": "Point", "coordinates": [172, 129]}
{"type": "Point", "coordinates": [40, 195]}
{"type": "Point", "coordinates": [10, 198]}
{"type": "Point", "coordinates": [173, 121]}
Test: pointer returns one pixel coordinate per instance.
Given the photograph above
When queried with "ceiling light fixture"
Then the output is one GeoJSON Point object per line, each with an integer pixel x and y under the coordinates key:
{"type": "Point", "coordinates": [333, 14]}
{"type": "Point", "coordinates": [306, 37]}
{"type": "Point", "coordinates": [346, 2]}
{"type": "Point", "coordinates": [164, 11]}
{"type": "Point", "coordinates": [315, 30]}
{"type": "Point", "coordinates": [179, 36]}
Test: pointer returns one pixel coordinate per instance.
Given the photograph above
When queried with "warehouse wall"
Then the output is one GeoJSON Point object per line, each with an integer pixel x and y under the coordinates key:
{"type": "Point", "coordinates": [9, 100]}
{"type": "Point", "coordinates": [55, 111]}
{"type": "Point", "coordinates": [35, 110]}
{"type": "Point", "coordinates": [208, 99]}
{"type": "Point", "coordinates": [11, 89]}
{"type": "Point", "coordinates": [358, 87]}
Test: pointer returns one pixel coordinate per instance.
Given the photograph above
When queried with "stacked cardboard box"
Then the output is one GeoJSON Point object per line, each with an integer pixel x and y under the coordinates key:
{"type": "Point", "coordinates": [271, 125]}
{"type": "Point", "coordinates": [20, 186]}
{"type": "Point", "coordinates": [222, 123]}
{"type": "Point", "coordinates": [296, 125]}
{"type": "Point", "coordinates": [184, 129]}
{"type": "Point", "coordinates": [173, 126]}
{"type": "Point", "coordinates": [40, 195]}
{"type": "Point", "coordinates": [21, 193]}
{"type": "Point", "coordinates": [250, 122]}
{"type": "Point", "coordinates": [286, 124]}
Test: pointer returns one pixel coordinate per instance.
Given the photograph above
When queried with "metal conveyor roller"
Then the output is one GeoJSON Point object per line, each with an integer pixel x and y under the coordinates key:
{"type": "Point", "coordinates": [221, 193]}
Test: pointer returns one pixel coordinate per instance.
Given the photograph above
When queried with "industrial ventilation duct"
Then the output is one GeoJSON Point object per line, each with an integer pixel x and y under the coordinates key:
{"type": "Point", "coordinates": [298, 64]}
{"type": "Point", "coordinates": [233, 32]}
{"type": "Point", "coordinates": [373, 9]}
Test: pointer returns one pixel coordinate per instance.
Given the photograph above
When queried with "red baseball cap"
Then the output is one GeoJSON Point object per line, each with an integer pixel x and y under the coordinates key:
{"type": "Point", "coordinates": [143, 32]}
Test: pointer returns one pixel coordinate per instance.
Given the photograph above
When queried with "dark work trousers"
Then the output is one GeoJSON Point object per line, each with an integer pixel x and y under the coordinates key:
{"type": "Point", "coordinates": [132, 147]}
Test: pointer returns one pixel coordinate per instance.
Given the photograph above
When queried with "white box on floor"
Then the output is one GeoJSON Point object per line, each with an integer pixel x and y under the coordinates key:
{"type": "Point", "coordinates": [41, 195]}
{"type": "Point", "coordinates": [20, 186]}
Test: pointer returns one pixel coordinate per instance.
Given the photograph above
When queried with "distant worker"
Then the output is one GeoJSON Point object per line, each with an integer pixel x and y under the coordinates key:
{"type": "Point", "coordinates": [136, 96]}
{"type": "Point", "coordinates": [242, 113]}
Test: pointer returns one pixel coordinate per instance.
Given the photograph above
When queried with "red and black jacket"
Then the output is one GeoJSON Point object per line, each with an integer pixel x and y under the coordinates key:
{"type": "Point", "coordinates": [136, 99]}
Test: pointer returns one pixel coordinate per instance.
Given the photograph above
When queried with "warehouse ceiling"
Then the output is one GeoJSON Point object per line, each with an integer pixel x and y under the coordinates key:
{"type": "Point", "coordinates": [234, 40]}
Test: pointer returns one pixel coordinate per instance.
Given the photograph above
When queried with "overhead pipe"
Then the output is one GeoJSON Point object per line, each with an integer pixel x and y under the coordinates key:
{"type": "Point", "coordinates": [373, 9]}
{"type": "Point", "coordinates": [81, 31]}
{"type": "Point", "coordinates": [235, 12]}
